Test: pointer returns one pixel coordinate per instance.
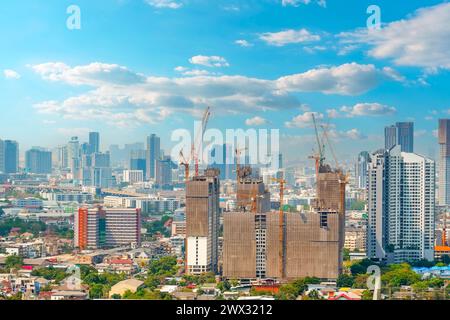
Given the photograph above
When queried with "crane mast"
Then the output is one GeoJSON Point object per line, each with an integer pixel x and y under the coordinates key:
{"type": "Point", "coordinates": [196, 145]}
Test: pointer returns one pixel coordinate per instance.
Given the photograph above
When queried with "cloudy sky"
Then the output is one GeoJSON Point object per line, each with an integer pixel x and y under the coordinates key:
{"type": "Point", "coordinates": [151, 66]}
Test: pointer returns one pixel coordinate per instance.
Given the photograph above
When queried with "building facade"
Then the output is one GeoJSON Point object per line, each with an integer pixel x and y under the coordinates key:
{"type": "Point", "coordinates": [10, 156]}
{"type": "Point", "coordinates": [402, 133]}
{"type": "Point", "coordinates": [38, 160]}
{"type": "Point", "coordinates": [97, 228]}
{"type": "Point", "coordinates": [202, 223]}
{"type": "Point", "coordinates": [401, 206]}
{"type": "Point", "coordinates": [444, 162]}
{"type": "Point", "coordinates": [153, 155]}
{"type": "Point", "coordinates": [361, 170]}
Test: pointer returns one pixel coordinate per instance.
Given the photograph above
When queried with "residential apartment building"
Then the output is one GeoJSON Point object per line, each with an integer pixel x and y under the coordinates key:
{"type": "Point", "coordinates": [106, 228]}
{"type": "Point", "coordinates": [401, 206]}
{"type": "Point", "coordinates": [444, 162]}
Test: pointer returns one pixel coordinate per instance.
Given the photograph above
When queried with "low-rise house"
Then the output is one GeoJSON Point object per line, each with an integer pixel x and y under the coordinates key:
{"type": "Point", "coordinates": [117, 265]}
{"type": "Point", "coordinates": [121, 287]}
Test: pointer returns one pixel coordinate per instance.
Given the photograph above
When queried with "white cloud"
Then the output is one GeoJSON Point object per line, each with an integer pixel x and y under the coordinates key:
{"type": "Point", "coordinates": [169, 4]}
{"type": "Point", "coordinates": [346, 79]}
{"type": "Point", "coordinates": [181, 69]}
{"type": "Point", "coordinates": [421, 40]}
{"type": "Point", "coordinates": [209, 61]}
{"type": "Point", "coordinates": [353, 134]}
{"type": "Point", "coordinates": [11, 74]}
{"type": "Point", "coordinates": [304, 120]}
{"type": "Point", "coordinates": [94, 74]}
{"type": "Point", "coordinates": [196, 72]}
{"type": "Point", "coordinates": [296, 3]}
{"type": "Point", "coordinates": [283, 38]}
{"type": "Point", "coordinates": [243, 43]}
{"type": "Point", "coordinates": [121, 97]}
{"type": "Point", "coordinates": [362, 110]}
{"type": "Point", "coordinates": [256, 121]}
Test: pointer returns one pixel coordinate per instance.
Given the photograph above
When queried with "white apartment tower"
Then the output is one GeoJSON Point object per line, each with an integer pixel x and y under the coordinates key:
{"type": "Point", "coordinates": [444, 162]}
{"type": "Point", "coordinates": [401, 206]}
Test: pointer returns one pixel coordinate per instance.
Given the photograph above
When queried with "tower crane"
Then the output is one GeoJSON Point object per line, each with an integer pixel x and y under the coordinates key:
{"type": "Point", "coordinates": [319, 157]}
{"type": "Point", "coordinates": [196, 145]}
{"type": "Point", "coordinates": [281, 236]}
{"type": "Point", "coordinates": [185, 163]}
{"type": "Point", "coordinates": [238, 153]}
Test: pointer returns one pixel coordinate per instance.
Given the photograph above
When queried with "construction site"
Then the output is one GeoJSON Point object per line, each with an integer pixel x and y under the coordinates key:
{"type": "Point", "coordinates": [262, 244]}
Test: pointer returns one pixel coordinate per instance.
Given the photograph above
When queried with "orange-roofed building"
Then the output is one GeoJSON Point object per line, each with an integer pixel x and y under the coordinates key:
{"type": "Point", "coordinates": [440, 251]}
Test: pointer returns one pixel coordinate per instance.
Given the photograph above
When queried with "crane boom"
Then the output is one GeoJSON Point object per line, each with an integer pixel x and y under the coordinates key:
{"type": "Point", "coordinates": [196, 145]}
{"type": "Point", "coordinates": [281, 233]}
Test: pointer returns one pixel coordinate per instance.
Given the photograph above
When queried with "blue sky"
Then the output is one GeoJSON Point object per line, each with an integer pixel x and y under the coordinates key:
{"type": "Point", "coordinates": [148, 66]}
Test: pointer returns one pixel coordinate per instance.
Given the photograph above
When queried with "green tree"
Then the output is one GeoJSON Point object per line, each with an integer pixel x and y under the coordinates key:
{"type": "Point", "coordinates": [360, 267]}
{"type": "Point", "coordinates": [358, 205]}
{"type": "Point", "coordinates": [346, 254]}
{"type": "Point", "coordinates": [13, 262]}
{"type": "Point", "coordinates": [400, 275]}
{"type": "Point", "coordinates": [345, 281]}
{"type": "Point", "coordinates": [166, 266]}
{"type": "Point", "coordinates": [96, 291]}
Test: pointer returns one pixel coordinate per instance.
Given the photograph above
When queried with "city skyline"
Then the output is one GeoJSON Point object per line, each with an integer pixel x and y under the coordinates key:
{"type": "Point", "coordinates": [272, 56]}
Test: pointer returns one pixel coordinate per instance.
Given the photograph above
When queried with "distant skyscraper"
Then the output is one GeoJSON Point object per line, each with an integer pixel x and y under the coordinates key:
{"type": "Point", "coordinates": [400, 134]}
{"type": "Point", "coordinates": [60, 157]}
{"type": "Point", "coordinates": [361, 169]}
{"type": "Point", "coordinates": [96, 170]}
{"type": "Point", "coordinates": [221, 159]}
{"type": "Point", "coordinates": [202, 223]}
{"type": "Point", "coordinates": [153, 155]}
{"type": "Point", "coordinates": [2, 156]}
{"type": "Point", "coordinates": [138, 161]}
{"type": "Point", "coordinates": [444, 162]}
{"type": "Point", "coordinates": [401, 205]}
{"type": "Point", "coordinates": [10, 156]}
{"type": "Point", "coordinates": [38, 160]}
{"type": "Point", "coordinates": [73, 157]}
{"type": "Point", "coordinates": [164, 176]}
{"type": "Point", "coordinates": [94, 142]}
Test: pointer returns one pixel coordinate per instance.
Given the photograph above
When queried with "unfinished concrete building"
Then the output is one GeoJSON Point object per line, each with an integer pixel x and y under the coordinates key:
{"type": "Point", "coordinates": [202, 222]}
{"type": "Point", "coordinates": [311, 241]}
{"type": "Point", "coordinates": [252, 194]}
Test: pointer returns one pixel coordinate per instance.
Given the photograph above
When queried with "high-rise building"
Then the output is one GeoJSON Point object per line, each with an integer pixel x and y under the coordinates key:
{"type": "Point", "coordinates": [9, 156]}
{"type": "Point", "coordinates": [164, 176]}
{"type": "Point", "coordinates": [38, 160]}
{"type": "Point", "coordinates": [361, 170]}
{"type": "Point", "coordinates": [444, 162]}
{"type": "Point", "coordinates": [2, 156]}
{"type": "Point", "coordinates": [400, 134]}
{"type": "Point", "coordinates": [94, 142]}
{"type": "Point", "coordinates": [153, 155]}
{"type": "Point", "coordinates": [73, 157]}
{"type": "Point", "coordinates": [97, 228]}
{"type": "Point", "coordinates": [60, 159]}
{"type": "Point", "coordinates": [311, 245]}
{"type": "Point", "coordinates": [252, 194]}
{"type": "Point", "coordinates": [133, 176]}
{"type": "Point", "coordinates": [138, 161]}
{"type": "Point", "coordinates": [202, 222]}
{"type": "Point", "coordinates": [222, 158]}
{"type": "Point", "coordinates": [401, 206]}
{"type": "Point", "coordinates": [262, 245]}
